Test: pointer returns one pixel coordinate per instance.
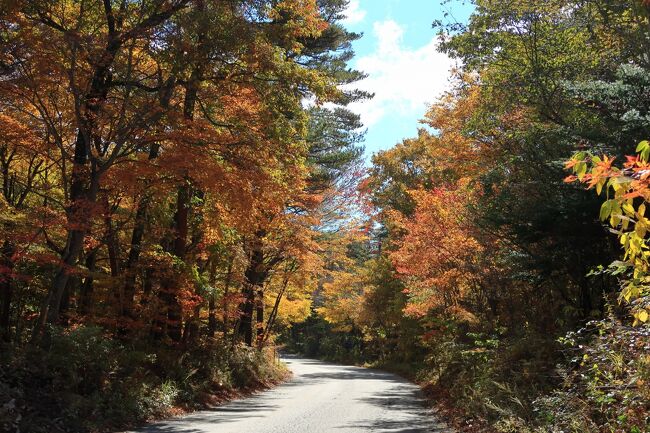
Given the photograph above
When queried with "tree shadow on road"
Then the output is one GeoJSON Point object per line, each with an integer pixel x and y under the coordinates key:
{"type": "Point", "coordinates": [402, 413]}
{"type": "Point", "coordinates": [253, 407]}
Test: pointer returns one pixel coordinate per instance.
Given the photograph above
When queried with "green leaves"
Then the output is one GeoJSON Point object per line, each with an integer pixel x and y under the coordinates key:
{"type": "Point", "coordinates": [609, 208]}
{"type": "Point", "coordinates": [626, 219]}
{"type": "Point", "coordinates": [581, 169]}
{"type": "Point", "coordinates": [643, 149]}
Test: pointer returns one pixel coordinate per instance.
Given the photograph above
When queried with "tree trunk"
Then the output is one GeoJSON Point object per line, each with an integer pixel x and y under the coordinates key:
{"type": "Point", "coordinates": [212, 302]}
{"type": "Point", "coordinates": [226, 296]}
{"type": "Point", "coordinates": [87, 287]}
{"type": "Point", "coordinates": [6, 289]}
{"type": "Point", "coordinates": [246, 317]}
{"type": "Point", "coordinates": [83, 187]}
{"type": "Point", "coordinates": [113, 248]}
{"type": "Point", "coordinates": [212, 316]}
{"type": "Point", "coordinates": [169, 289]}
{"type": "Point", "coordinates": [137, 237]}
{"type": "Point", "coordinates": [274, 312]}
{"type": "Point", "coordinates": [259, 326]}
{"type": "Point", "coordinates": [256, 273]}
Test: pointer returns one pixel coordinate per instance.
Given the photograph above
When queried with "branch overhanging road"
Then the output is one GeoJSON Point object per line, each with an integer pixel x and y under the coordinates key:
{"type": "Point", "coordinates": [321, 397]}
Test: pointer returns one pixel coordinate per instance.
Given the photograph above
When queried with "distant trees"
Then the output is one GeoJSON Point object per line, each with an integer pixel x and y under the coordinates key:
{"type": "Point", "coordinates": [486, 257]}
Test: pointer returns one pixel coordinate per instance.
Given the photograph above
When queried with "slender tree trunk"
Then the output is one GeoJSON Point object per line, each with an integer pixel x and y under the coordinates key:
{"type": "Point", "coordinates": [87, 287]}
{"type": "Point", "coordinates": [169, 289]}
{"type": "Point", "coordinates": [274, 312]}
{"type": "Point", "coordinates": [137, 237]}
{"type": "Point", "coordinates": [6, 289]}
{"type": "Point", "coordinates": [212, 316]}
{"type": "Point", "coordinates": [147, 285]}
{"type": "Point", "coordinates": [212, 302]}
{"type": "Point", "coordinates": [113, 248]}
{"type": "Point", "coordinates": [226, 298]}
{"type": "Point", "coordinates": [259, 316]}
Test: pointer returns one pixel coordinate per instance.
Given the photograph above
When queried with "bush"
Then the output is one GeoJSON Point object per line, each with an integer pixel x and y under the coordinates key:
{"type": "Point", "coordinates": [605, 385]}
{"type": "Point", "coordinates": [87, 381]}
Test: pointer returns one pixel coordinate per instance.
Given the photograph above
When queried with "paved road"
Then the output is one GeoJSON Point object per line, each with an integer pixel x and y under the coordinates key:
{"type": "Point", "coordinates": [320, 398]}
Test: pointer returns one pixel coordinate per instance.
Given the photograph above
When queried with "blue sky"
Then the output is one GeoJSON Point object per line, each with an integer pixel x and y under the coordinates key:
{"type": "Point", "coordinates": [398, 51]}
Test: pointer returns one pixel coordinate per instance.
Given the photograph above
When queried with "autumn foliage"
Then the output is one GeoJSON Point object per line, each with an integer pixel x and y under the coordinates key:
{"type": "Point", "coordinates": [482, 274]}
{"type": "Point", "coordinates": [161, 177]}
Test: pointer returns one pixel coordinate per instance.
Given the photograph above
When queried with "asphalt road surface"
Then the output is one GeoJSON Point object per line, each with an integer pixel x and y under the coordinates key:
{"type": "Point", "coordinates": [321, 397]}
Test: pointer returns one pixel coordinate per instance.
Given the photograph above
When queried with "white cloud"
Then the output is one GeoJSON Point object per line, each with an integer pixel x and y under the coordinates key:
{"type": "Point", "coordinates": [354, 14]}
{"type": "Point", "coordinates": [404, 80]}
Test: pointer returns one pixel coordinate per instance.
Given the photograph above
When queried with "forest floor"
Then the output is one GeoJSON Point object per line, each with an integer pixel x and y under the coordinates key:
{"type": "Point", "coordinates": [321, 397]}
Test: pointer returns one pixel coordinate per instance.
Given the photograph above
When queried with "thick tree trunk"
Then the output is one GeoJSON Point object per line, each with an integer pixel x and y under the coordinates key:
{"type": "Point", "coordinates": [173, 305]}
{"type": "Point", "coordinates": [246, 315]}
{"type": "Point", "coordinates": [134, 256]}
{"type": "Point", "coordinates": [256, 273]}
{"type": "Point", "coordinates": [84, 186]}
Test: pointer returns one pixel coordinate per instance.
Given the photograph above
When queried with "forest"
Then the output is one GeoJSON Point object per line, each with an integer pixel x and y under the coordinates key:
{"type": "Point", "coordinates": [185, 192]}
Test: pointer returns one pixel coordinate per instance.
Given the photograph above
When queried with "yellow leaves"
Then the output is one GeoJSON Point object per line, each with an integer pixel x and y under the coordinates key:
{"type": "Point", "coordinates": [295, 305]}
{"type": "Point", "coordinates": [640, 229]}
{"type": "Point", "coordinates": [627, 221]}
{"type": "Point", "coordinates": [343, 296]}
{"type": "Point", "coordinates": [641, 316]}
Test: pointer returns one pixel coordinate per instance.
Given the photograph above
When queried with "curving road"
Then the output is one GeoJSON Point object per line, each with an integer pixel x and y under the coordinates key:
{"type": "Point", "coordinates": [320, 398]}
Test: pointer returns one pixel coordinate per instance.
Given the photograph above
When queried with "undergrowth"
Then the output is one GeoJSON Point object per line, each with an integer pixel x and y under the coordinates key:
{"type": "Point", "coordinates": [86, 381]}
{"type": "Point", "coordinates": [595, 380]}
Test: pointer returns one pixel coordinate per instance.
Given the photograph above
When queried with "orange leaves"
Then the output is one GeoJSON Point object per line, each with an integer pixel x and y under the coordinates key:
{"type": "Point", "coordinates": [436, 256]}
{"type": "Point", "coordinates": [426, 188]}
{"type": "Point", "coordinates": [300, 19]}
{"type": "Point", "coordinates": [625, 216]}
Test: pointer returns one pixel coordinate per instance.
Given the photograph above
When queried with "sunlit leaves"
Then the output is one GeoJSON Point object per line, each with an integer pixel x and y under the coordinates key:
{"type": "Point", "coordinates": [628, 191]}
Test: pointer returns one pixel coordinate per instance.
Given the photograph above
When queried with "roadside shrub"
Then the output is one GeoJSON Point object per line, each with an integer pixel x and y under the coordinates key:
{"type": "Point", "coordinates": [87, 381]}
{"type": "Point", "coordinates": [605, 387]}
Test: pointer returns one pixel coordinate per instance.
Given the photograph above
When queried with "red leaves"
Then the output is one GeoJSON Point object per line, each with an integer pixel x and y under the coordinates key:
{"type": "Point", "coordinates": [631, 161]}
